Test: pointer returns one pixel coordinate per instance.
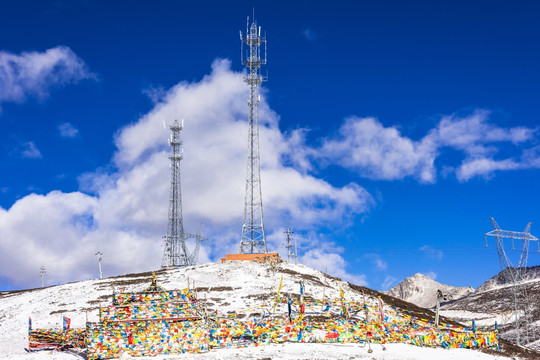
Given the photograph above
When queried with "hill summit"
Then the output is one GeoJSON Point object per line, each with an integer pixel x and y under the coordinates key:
{"type": "Point", "coordinates": [240, 292]}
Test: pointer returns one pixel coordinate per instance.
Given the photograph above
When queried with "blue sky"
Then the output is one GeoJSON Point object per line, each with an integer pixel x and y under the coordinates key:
{"type": "Point", "coordinates": [390, 133]}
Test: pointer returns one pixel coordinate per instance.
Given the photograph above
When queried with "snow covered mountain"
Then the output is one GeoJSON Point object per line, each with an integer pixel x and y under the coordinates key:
{"type": "Point", "coordinates": [229, 286]}
{"type": "Point", "coordinates": [421, 290]}
{"type": "Point", "coordinates": [503, 279]}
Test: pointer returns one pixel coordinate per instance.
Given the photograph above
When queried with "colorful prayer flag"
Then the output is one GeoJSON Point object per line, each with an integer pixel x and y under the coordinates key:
{"type": "Point", "coordinates": [67, 323]}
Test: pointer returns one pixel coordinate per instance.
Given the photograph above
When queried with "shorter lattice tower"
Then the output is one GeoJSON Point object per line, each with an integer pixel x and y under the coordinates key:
{"type": "Point", "coordinates": [176, 252]}
{"type": "Point", "coordinates": [524, 332]}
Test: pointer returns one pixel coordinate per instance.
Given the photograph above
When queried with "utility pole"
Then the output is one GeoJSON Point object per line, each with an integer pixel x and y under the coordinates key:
{"type": "Point", "coordinates": [42, 271]}
{"type": "Point", "coordinates": [99, 254]}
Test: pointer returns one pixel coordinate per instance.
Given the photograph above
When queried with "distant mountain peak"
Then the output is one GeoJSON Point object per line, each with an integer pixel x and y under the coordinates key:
{"type": "Point", "coordinates": [421, 290]}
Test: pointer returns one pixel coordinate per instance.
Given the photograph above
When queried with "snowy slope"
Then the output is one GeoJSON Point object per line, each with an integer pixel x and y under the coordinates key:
{"type": "Point", "coordinates": [226, 286]}
{"type": "Point", "coordinates": [421, 290]}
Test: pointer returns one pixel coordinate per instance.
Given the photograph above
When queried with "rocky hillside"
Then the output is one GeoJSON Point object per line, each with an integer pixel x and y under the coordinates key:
{"type": "Point", "coordinates": [421, 290]}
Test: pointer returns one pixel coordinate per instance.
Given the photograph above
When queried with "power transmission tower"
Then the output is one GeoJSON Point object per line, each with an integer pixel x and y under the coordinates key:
{"type": "Point", "coordinates": [42, 271]}
{"type": "Point", "coordinates": [99, 254]}
{"type": "Point", "coordinates": [253, 239]}
{"type": "Point", "coordinates": [194, 257]}
{"type": "Point", "coordinates": [176, 253]}
{"type": "Point", "coordinates": [524, 333]}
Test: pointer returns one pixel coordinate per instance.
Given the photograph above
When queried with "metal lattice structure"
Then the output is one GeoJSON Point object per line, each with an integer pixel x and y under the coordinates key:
{"type": "Point", "coordinates": [524, 333]}
{"type": "Point", "coordinates": [289, 246]}
{"type": "Point", "coordinates": [176, 252]}
{"type": "Point", "coordinates": [253, 239]}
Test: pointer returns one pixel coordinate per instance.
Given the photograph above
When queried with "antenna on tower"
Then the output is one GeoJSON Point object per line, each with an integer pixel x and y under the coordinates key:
{"type": "Point", "coordinates": [253, 239]}
{"type": "Point", "coordinates": [524, 329]}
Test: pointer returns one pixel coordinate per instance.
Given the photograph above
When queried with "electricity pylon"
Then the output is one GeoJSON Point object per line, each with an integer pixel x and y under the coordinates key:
{"type": "Point", "coordinates": [524, 333]}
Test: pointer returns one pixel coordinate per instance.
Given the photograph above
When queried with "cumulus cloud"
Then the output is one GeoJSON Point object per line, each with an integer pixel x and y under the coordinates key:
{"type": "Point", "coordinates": [377, 152]}
{"type": "Point", "coordinates": [67, 130]}
{"type": "Point", "coordinates": [33, 74]}
{"type": "Point", "coordinates": [484, 167]}
{"type": "Point", "coordinates": [332, 262]}
{"type": "Point", "coordinates": [374, 151]}
{"type": "Point", "coordinates": [124, 213]}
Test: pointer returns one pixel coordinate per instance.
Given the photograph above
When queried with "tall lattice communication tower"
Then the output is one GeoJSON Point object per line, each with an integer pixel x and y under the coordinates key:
{"type": "Point", "coordinates": [176, 252]}
{"type": "Point", "coordinates": [253, 239]}
{"type": "Point", "coordinates": [524, 332]}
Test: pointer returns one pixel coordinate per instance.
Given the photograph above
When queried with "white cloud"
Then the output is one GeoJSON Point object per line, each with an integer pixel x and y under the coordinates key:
{"type": "Point", "coordinates": [432, 275]}
{"type": "Point", "coordinates": [484, 167]}
{"type": "Point", "coordinates": [377, 152]}
{"type": "Point", "coordinates": [472, 133]}
{"type": "Point", "coordinates": [29, 150]}
{"type": "Point", "coordinates": [126, 216]}
{"type": "Point", "coordinates": [331, 262]}
{"type": "Point", "coordinates": [67, 130]}
{"type": "Point", "coordinates": [374, 151]}
{"type": "Point", "coordinates": [33, 74]}
{"type": "Point", "coordinates": [432, 252]}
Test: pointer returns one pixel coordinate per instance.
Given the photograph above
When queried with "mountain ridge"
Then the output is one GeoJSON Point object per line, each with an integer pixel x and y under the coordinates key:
{"type": "Point", "coordinates": [421, 290]}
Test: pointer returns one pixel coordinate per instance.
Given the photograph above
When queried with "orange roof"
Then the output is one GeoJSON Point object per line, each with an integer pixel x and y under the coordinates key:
{"type": "Point", "coordinates": [247, 257]}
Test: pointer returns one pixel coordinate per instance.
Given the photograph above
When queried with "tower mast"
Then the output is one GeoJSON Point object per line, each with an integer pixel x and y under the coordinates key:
{"type": "Point", "coordinates": [175, 252]}
{"type": "Point", "coordinates": [253, 239]}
